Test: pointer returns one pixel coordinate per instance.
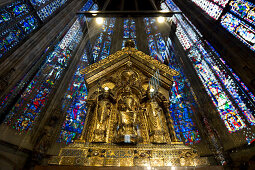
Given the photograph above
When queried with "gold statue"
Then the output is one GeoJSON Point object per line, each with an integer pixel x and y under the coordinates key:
{"type": "Point", "coordinates": [102, 112]}
{"type": "Point", "coordinates": [156, 122]}
{"type": "Point", "coordinates": [127, 106]}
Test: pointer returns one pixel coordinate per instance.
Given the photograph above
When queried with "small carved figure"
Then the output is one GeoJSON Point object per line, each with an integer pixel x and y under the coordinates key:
{"type": "Point", "coordinates": [156, 122]}
{"type": "Point", "coordinates": [102, 113]}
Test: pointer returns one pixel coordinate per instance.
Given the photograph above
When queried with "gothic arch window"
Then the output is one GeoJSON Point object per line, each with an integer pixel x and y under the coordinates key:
{"type": "Point", "coordinates": [213, 8]}
{"type": "Point", "coordinates": [102, 45]}
{"type": "Point", "coordinates": [157, 45]}
{"type": "Point", "coordinates": [46, 8]}
{"type": "Point", "coordinates": [16, 22]}
{"type": "Point", "coordinates": [239, 29]}
{"type": "Point", "coordinates": [74, 105]}
{"type": "Point", "coordinates": [182, 105]}
{"type": "Point", "coordinates": [239, 20]}
{"type": "Point", "coordinates": [28, 108]}
{"type": "Point", "coordinates": [233, 100]}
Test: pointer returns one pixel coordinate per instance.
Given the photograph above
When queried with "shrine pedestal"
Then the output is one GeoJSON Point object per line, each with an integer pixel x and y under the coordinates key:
{"type": "Point", "coordinates": [142, 155]}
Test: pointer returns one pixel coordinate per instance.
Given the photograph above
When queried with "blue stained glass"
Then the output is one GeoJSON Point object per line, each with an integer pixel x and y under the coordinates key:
{"type": "Point", "coordinates": [97, 46]}
{"type": "Point", "coordinates": [182, 102]}
{"type": "Point", "coordinates": [29, 24]}
{"type": "Point", "coordinates": [12, 11]}
{"type": "Point", "coordinates": [106, 35]}
{"type": "Point", "coordinates": [244, 9]}
{"type": "Point", "coordinates": [28, 108]}
{"type": "Point", "coordinates": [126, 28]}
{"type": "Point", "coordinates": [172, 5]}
{"type": "Point", "coordinates": [50, 8]}
{"type": "Point", "coordinates": [19, 9]}
{"type": "Point", "coordinates": [239, 29]}
{"type": "Point", "coordinates": [210, 8]}
{"type": "Point", "coordinates": [94, 7]}
{"type": "Point", "coordinates": [156, 43]}
{"type": "Point", "coordinates": [38, 3]}
{"type": "Point", "coordinates": [129, 28]}
{"type": "Point", "coordinates": [228, 113]}
{"type": "Point", "coordinates": [107, 42]}
{"type": "Point", "coordinates": [87, 5]}
{"type": "Point", "coordinates": [206, 66]}
{"type": "Point", "coordinates": [75, 105]}
{"type": "Point", "coordinates": [4, 17]}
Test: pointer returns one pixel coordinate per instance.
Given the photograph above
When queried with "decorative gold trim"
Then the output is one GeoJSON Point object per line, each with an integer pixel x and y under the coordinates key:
{"type": "Point", "coordinates": [129, 52]}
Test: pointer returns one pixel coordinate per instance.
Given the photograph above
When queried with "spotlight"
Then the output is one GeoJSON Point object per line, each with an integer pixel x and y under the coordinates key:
{"type": "Point", "coordinates": [106, 88]}
{"type": "Point", "coordinates": [152, 90]}
{"type": "Point", "coordinates": [99, 20]}
{"type": "Point", "coordinates": [94, 15]}
{"type": "Point", "coordinates": [161, 19]}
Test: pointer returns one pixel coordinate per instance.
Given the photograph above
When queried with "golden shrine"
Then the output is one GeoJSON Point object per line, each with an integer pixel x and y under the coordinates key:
{"type": "Point", "coordinates": [128, 121]}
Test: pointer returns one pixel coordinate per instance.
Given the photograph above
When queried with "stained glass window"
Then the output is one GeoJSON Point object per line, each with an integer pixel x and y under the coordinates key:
{"type": "Point", "coordinates": [50, 9]}
{"type": "Point", "coordinates": [102, 44]}
{"type": "Point", "coordinates": [27, 109]}
{"type": "Point", "coordinates": [108, 38]}
{"type": "Point", "coordinates": [239, 29]}
{"type": "Point", "coordinates": [38, 3]}
{"type": "Point", "coordinates": [222, 3]}
{"type": "Point", "coordinates": [88, 4]}
{"type": "Point", "coordinates": [210, 8]}
{"type": "Point", "coordinates": [74, 105]}
{"type": "Point", "coordinates": [228, 112]}
{"type": "Point", "coordinates": [14, 25]}
{"type": "Point", "coordinates": [228, 93]}
{"type": "Point", "coordinates": [129, 31]}
{"type": "Point", "coordinates": [156, 42]}
{"type": "Point", "coordinates": [244, 9]}
{"type": "Point", "coordinates": [228, 81]}
{"type": "Point", "coordinates": [171, 5]}
{"type": "Point", "coordinates": [13, 11]}
{"type": "Point", "coordinates": [182, 103]}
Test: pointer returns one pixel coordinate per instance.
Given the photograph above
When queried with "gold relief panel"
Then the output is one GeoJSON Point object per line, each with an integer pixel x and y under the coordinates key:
{"type": "Point", "coordinates": [73, 152]}
{"type": "Point", "coordinates": [158, 154]}
{"type": "Point", "coordinates": [96, 161]}
{"type": "Point", "coordinates": [156, 162]}
{"type": "Point", "coordinates": [67, 160]}
{"type": "Point", "coordinates": [82, 161]}
{"type": "Point", "coordinates": [142, 162]}
{"type": "Point", "coordinates": [126, 162]}
{"type": "Point", "coordinates": [112, 162]}
{"type": "Point", "coordinates": [172, 162]}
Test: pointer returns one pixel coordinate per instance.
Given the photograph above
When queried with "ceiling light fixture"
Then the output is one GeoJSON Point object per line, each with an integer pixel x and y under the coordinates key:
{"type": "Point", "coordinates": [99, 20]}
{"type": "Point", "coordinates": [161, 19]}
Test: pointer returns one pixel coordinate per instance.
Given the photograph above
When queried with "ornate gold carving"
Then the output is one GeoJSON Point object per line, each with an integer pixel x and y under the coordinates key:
{"type": "Point", "coordinates": [128, 51]}
{"type": "Point", "coordinates": [121, 110]}
{"type": "Point", "coordinates": [139, 155]}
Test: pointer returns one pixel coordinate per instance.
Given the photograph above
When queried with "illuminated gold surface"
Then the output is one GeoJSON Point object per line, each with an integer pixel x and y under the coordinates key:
{"type": "Point", "coordinates": [125, 125]}
{"type": "Point", "coordinates": [133, 52]}
{"type": "Point", "coordinates": [138, 155]}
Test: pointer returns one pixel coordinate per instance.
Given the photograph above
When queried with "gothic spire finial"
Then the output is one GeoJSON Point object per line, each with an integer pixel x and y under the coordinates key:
{"type": "Point", "coordinates": [130, 43]}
